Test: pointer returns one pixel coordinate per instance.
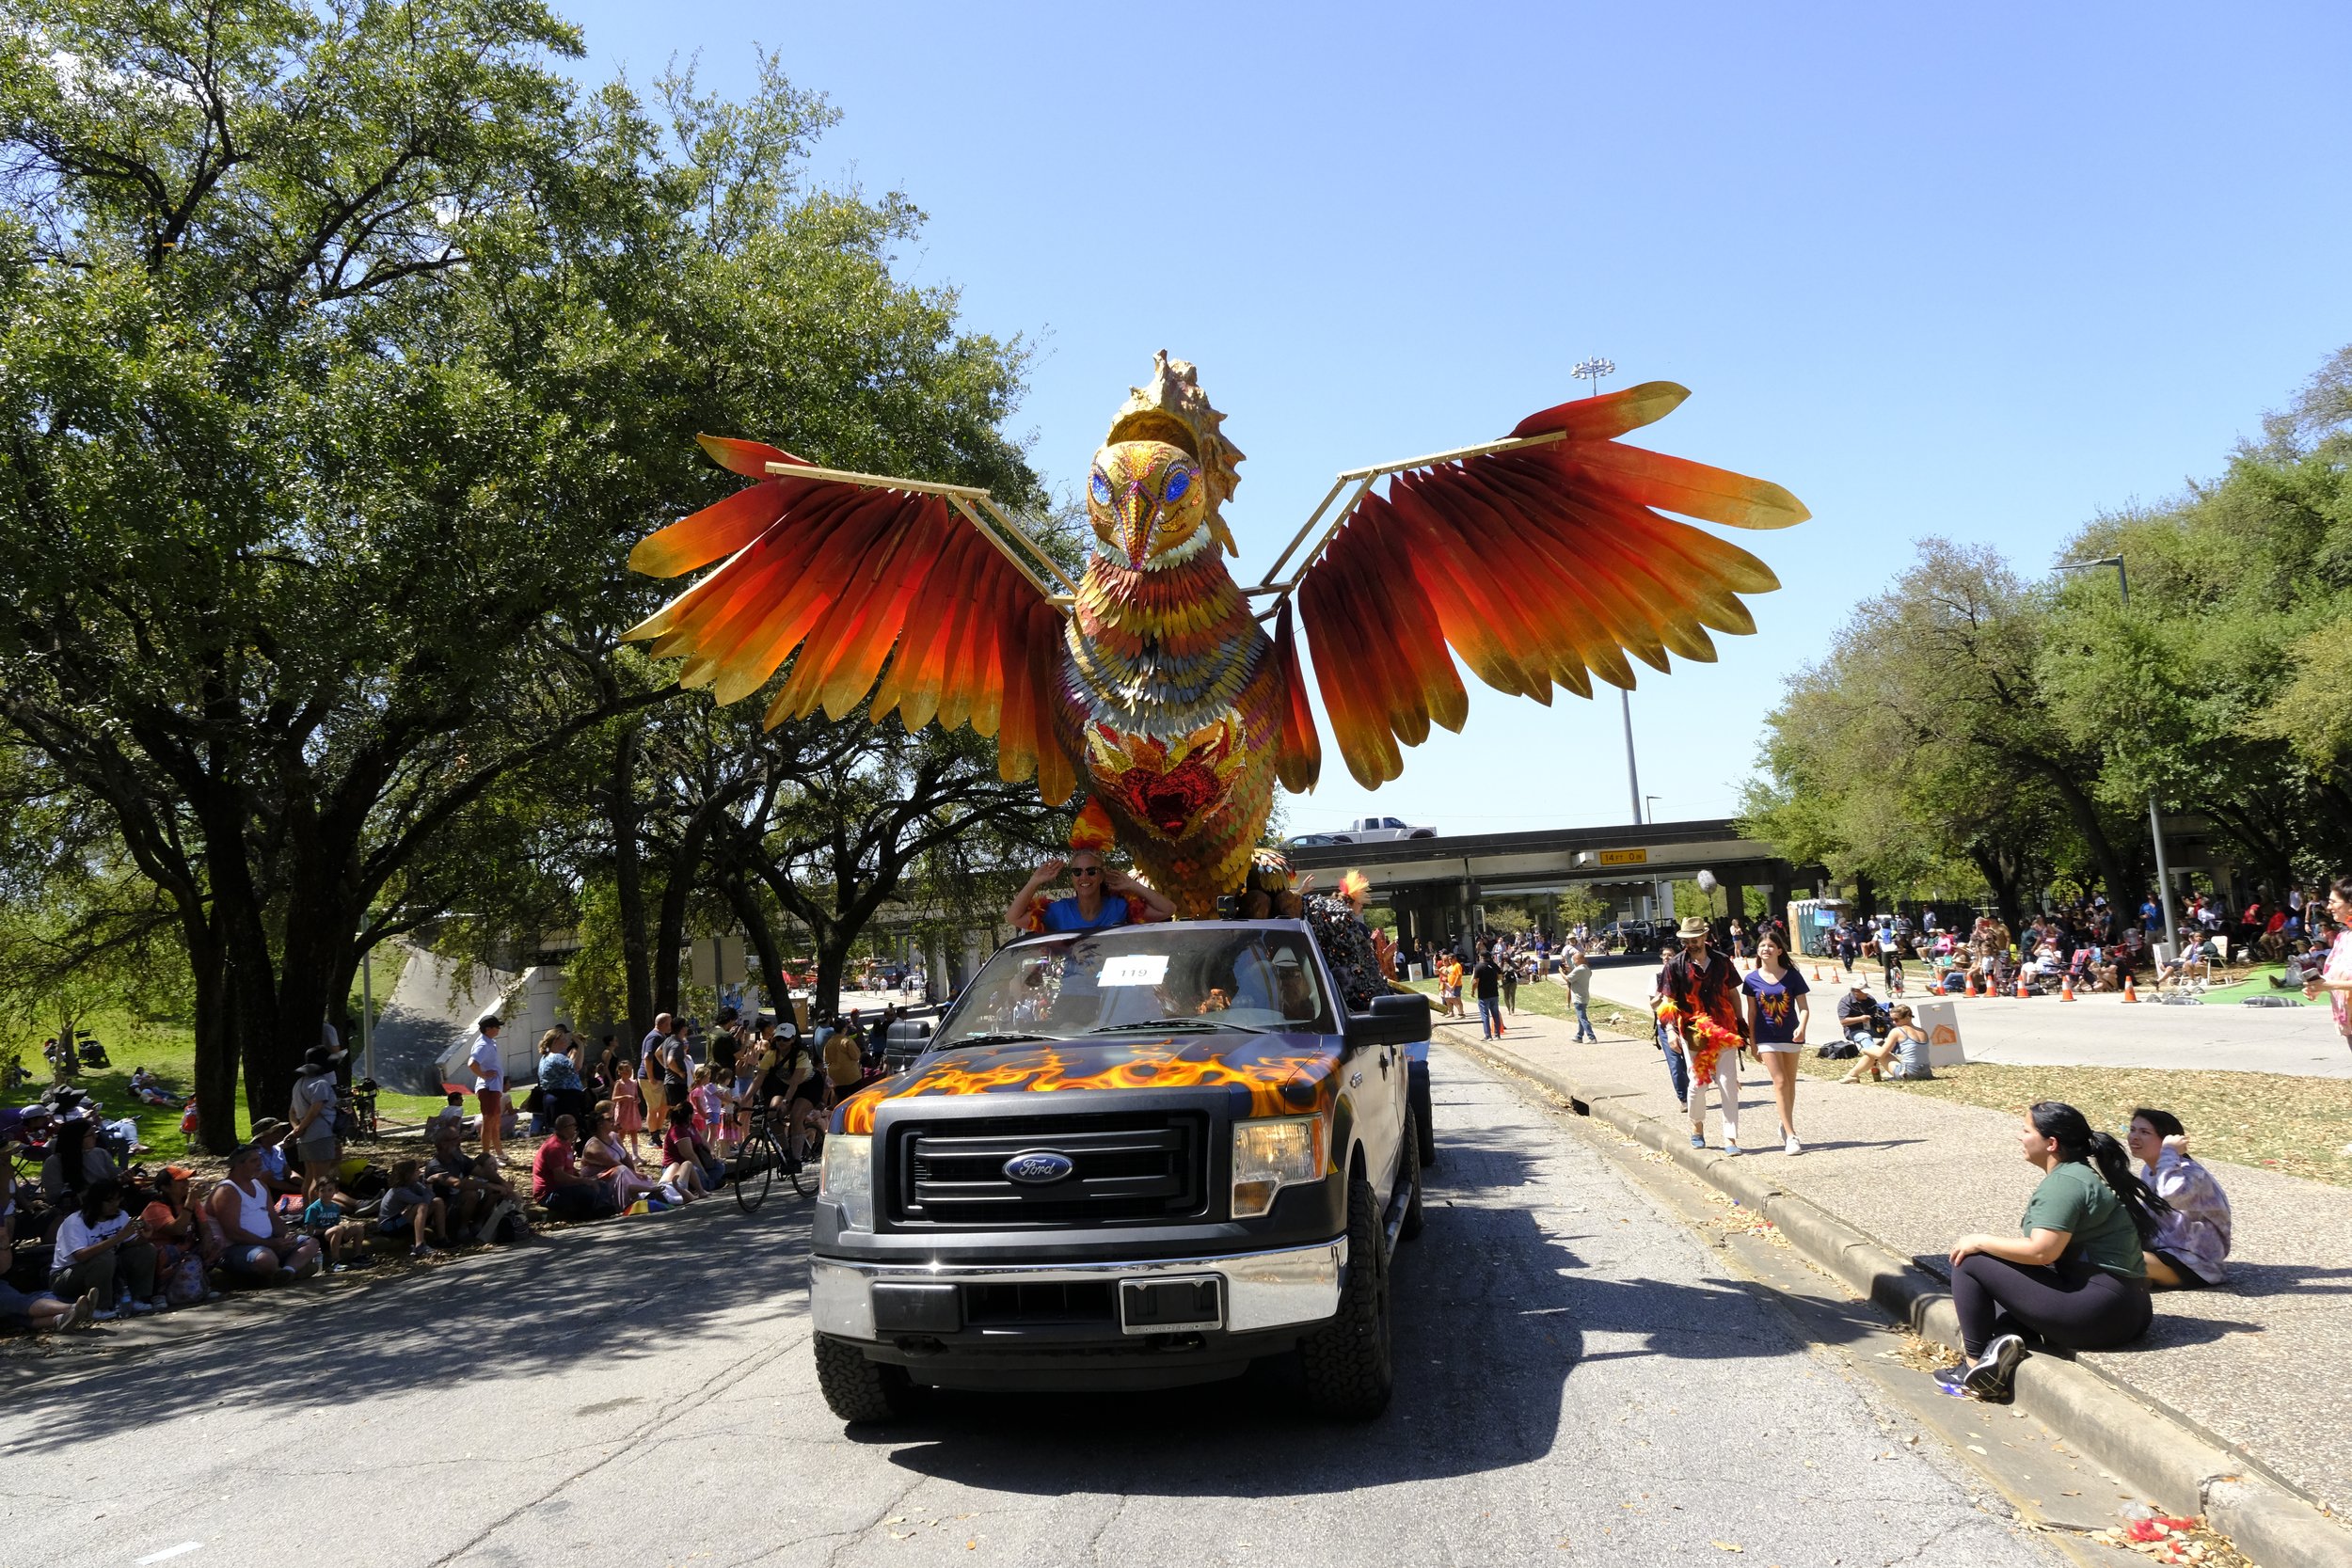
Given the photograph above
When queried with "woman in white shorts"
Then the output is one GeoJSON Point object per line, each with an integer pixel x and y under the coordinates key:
{"type": "Point", "coordinates": [1774, 996]}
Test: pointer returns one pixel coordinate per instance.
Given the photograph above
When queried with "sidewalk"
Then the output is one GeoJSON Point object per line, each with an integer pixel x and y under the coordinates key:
{"type": "Point", "coordinates": [2257, 1364]}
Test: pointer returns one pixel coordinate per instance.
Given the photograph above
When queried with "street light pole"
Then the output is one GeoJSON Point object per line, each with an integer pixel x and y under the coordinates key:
{"type": "Point", "coordinates": [1632, 780]}
{"type": "Point", "coordinates": [1594, 370]}
{"type": "Point", "coordinates": [2155, 820]}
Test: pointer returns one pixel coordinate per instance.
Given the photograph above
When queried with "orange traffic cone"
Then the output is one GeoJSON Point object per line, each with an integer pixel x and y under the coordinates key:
{"type": "Point", "coordinates": [2022, 991]}
{"type": "Point", "coordinates": [1972, 982]}
{"type": "Point", "coordinates": [2129, 995]}
{"type": "Point", "coordinates": [2066, 987]}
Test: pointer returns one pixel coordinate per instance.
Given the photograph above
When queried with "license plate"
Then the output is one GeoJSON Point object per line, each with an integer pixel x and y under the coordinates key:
{"type": "Point", "coordinates": [1171, 1305]}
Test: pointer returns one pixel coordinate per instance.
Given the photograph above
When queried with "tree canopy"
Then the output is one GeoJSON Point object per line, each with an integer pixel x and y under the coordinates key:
{"type": "Point", "coordinates": [345, 350]}
{"type": "Point", "coordinates": [1974, 726]}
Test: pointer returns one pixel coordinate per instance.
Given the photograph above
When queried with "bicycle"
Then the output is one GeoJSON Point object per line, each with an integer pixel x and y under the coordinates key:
{"type": "Point", "coordinates": [763, 1153]}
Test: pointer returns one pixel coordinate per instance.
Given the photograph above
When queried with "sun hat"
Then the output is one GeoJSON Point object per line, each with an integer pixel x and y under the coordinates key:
{"type": "Point", "coordinates": [1692, 927]}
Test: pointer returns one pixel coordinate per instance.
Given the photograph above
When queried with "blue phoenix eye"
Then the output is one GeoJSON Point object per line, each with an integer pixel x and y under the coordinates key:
{"type": "Point", "coordinates": [1178, 482]}
{"type": "Point", "coordinates": [1101, 487]}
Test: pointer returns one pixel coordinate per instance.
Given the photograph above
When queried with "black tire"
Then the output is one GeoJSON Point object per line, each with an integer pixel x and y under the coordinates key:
{"type": "Point", "coordinates": [807, 1147]}
{"type": "Point", "coordinates": [755, 1171]}
{"type": "Point", "coordinates": [1410, 1227]}
{"type": "Point", "coordinates": [857, 1389]}
{"type": "Point", "coordinates": [1349, 1370]}
{"type": "Point", "coordinates": [1424, 1143]}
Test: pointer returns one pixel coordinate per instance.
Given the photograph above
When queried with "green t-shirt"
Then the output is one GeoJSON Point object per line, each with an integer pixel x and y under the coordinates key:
{"type": "Point", "coordinates": [2077, 1200]}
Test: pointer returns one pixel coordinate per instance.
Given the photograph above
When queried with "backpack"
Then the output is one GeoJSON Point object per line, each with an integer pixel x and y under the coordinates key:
{"type": "Point", "coordinates": [1839, 1050]}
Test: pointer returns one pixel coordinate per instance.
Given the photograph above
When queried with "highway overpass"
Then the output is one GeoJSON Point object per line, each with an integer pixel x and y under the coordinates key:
{"type": "Point", "coordinates": [1436, 885]}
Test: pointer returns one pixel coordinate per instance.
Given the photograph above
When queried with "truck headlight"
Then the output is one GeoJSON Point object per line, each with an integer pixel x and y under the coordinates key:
{"type": "Point", "coordinates": [1272, 1153]}
{"type": "Point", "coordinates": [847, 1177]}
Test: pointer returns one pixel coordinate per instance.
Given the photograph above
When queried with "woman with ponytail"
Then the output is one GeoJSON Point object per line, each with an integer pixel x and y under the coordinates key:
{"type": "Point", "coordinates": [2075, 1277]}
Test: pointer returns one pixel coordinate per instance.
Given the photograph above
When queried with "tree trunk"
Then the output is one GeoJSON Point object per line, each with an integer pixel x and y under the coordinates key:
{"type": "Point", "coordinates": [761, 932]}
{"type": "Point", "coordinates": [315, 950]}
{"type": "Point", "coordinates": [2120, 875]}
{"type": "Point", "coordinates": [629, 880]}
{"type": "Point", "coordinates": [832, 958]}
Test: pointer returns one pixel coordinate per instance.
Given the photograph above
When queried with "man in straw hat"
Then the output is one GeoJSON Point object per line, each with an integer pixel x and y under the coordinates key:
{"type": "Point", "coordinates": [1701, 1009]}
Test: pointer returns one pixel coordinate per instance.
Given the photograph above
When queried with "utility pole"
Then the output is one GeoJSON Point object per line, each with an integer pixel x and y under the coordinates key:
{"type": "Point", "coordinates": [2155, 820]}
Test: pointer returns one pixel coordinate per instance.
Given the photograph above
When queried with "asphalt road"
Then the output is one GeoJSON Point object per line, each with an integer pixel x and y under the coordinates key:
{"type": "Point", "coordinates": [1580, 1383]}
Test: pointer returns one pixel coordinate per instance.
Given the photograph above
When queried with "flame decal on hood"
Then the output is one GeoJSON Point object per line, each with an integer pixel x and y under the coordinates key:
{"type": "Point", "coordinates": [1281, 1075]}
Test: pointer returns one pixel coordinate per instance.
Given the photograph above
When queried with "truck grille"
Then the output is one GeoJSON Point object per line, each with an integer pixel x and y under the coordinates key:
{"type": "Point", "coordinates": [1122, 1167]}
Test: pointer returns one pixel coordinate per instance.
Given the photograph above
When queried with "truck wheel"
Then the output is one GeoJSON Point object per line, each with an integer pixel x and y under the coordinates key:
{"type": "Point", "coordinates": [1347, 1361]}
{"type": "Point", "coordinates": [857, 1389]}
{"type": "Point", "coordinates": [1424, 1141]}
{"type": "Point", "coordinates": [1410, 1226]}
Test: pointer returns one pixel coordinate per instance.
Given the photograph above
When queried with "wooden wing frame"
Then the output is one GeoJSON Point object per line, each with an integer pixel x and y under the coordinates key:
{"type": "Point", "coordinates": [899, 587]}
{"type": "Point", "coordinates": [1542, 558]}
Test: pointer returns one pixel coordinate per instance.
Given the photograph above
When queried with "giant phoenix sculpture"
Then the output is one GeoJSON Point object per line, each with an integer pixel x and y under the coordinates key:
{"type": "Point", "coordinates": [1543, 558]}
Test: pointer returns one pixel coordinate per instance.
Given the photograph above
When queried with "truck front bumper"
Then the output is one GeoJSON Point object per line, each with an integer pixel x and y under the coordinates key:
{"type": "Point", "coordinates": [1258, 1291]}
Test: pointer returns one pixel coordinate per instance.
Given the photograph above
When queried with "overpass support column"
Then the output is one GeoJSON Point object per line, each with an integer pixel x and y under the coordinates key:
{"type": "Point", "coordinates": [936, 983]}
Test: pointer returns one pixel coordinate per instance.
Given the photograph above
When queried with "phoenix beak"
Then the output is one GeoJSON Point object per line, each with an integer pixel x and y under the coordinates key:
{"type": "Point", "coordinates": [1135, 524]}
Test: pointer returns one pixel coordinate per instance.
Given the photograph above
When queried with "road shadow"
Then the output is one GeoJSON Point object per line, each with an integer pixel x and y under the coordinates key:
{"type": "Point", "coordinates": [2272, 1279]}
{"type": "Point", "coordinates": [1494, 1311]}
{"type": "Point", "coordinates": [582, 1297]}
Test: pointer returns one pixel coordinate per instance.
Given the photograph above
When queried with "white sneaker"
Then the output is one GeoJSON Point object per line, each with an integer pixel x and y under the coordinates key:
{"type": "Point", "coordinates": [1792, 1147]}
{"type": "Point", "coordinates": [138, 1308]}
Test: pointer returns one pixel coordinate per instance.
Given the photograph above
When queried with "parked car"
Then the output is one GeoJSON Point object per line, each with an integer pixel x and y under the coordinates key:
{"type": "Point", "coordinates": [1130, 1158]}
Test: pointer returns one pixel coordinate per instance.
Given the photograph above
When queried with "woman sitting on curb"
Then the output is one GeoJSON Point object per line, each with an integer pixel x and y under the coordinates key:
{"type": "Point", "coordinates": [1902, 1055]}
{"type": "Point", "coordinates": [2075, 1277]}
{"type": "Point", "coordinates": [2190, 1242]}
{"type": "Point", "coordinates": [602, 1157]}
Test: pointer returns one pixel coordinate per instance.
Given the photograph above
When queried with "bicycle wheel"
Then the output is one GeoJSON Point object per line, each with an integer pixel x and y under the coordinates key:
{"type": "Point", "coordinates": [807, 1146]}
{"type": "Point", "coordinates": [755, 1169]}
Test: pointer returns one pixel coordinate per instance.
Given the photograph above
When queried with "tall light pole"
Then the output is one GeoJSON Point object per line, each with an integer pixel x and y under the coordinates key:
{"type": "Point", "coordinates": [2156, 821]}
{"type": "Point", "coordinates": [1593, 369]}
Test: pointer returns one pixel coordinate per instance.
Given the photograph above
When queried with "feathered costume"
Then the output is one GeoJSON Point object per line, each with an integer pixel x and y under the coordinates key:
{"type": "Point", "coordinates": [1152, 676]}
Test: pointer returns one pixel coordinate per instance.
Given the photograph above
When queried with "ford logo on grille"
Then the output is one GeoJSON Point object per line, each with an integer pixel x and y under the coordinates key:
{"type": "Point", "coordinates": [1039, 1168]}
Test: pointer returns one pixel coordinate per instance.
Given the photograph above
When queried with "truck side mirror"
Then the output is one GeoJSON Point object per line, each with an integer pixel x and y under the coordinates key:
{"type": "Point", "coordinates": [1394, 1020]}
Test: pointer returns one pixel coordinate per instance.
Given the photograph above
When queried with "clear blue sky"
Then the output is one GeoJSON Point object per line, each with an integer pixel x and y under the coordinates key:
{"type": "Point", "coordinates": [1983, 272]}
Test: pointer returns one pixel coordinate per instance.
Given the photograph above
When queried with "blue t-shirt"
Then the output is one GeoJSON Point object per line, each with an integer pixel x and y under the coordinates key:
{"type": "Point", "coordinates": [1775, 1005]}
{"type": "Point", "coordinates": [1062, 914]}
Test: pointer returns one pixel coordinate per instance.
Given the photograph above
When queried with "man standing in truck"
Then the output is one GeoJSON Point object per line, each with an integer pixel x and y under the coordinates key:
{"type": "Point", "coordinates": [1100, 898]}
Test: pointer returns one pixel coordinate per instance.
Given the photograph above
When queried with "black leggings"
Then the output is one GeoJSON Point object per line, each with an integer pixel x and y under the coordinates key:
{"type": "Point", "coordinates": [2074, 1306]}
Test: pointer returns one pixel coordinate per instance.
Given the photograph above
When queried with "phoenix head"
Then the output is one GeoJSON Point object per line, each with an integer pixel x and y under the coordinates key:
{"type": "Point", "coordinates": [1148, 504]}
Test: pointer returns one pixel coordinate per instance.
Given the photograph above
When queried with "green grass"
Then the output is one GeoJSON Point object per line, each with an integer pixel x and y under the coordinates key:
{"type": "Point", "coordinates": [169, 1050]}
{"type": "Point", "coordinates": [2295, 1125]}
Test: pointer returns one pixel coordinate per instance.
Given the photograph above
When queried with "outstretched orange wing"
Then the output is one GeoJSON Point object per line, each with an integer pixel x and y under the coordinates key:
{"type": "Point", "coordinates": [1545, 563]}
{"type": "Point", "coordinates": [867, 583]}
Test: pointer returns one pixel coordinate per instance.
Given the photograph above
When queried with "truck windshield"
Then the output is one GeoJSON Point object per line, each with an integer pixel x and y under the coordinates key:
{"type": "Point", "coordinates": [1138, 977]}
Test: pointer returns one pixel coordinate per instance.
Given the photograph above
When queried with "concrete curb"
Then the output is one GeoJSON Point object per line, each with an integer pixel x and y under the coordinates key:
{"type": "Point", "coordinates": [2182, 1467]}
